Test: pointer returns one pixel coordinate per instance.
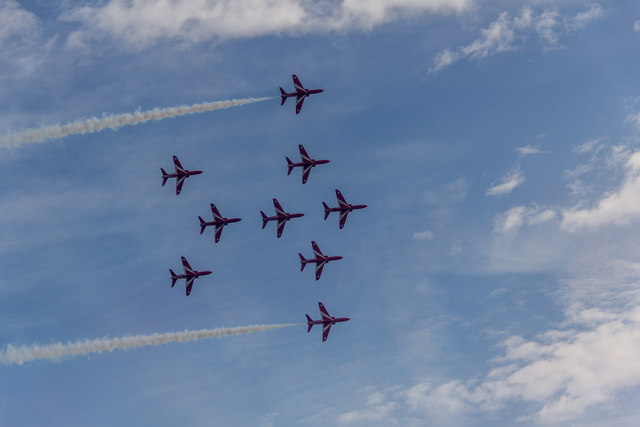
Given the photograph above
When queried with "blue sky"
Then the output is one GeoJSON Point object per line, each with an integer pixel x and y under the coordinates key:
{"type": "Point", "coordinates": [493, 279]}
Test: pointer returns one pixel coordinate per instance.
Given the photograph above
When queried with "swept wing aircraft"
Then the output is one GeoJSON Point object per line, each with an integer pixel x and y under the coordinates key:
{"type": "Point", "coordinates": [319, 259]}
{"type": "Point", "coordinates": [189, 275]}
{"type": "Point", "coordinates": [181, 174]}
{"type": "Point", "coordinates": [343, 207]}
{"type": "Point", "coordinates": [326, 321]}
{"type": "Point", "coordinates": [306, 164]}
{"type": "Point", "coordinates": [281, 217]}
{"type": "Point", "coordinates": [218, 221]}
{"type": "Point", "coordinates": [301, 93]}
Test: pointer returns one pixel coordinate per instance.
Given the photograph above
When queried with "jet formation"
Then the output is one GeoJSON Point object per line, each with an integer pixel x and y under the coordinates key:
{"type": "Point", "coordinates": [281, 216]}
{"type": "Point", "coordinates": [301, 93]}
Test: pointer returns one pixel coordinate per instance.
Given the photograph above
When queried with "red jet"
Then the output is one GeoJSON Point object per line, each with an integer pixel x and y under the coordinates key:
{"type": "Point", "coordinates": [180, 175]}
{"type": "Point", "coordinates": [320, 259]}
{"type": "Point", "coordinates": [301, 93]}
{"type": "Point", "coordinates": [327, 321]}
{"type": "Point", "coordinates": [189, 275]}
{"type": "Point", "coordinates": [343, 207]}
{"type": "Point", "coordinates": [218, 221]}
{"type": "Point", "coordinates": [306, 164]}
{"type": "Point", "coordinates": [281, 216]}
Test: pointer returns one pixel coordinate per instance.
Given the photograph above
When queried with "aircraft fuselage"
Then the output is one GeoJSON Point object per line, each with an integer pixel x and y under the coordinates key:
{"type": "Point", "coordinates": [186, 174]}
{"type": "Point", "coordinates": [223, 221]}
{"type": "Point", "coordinates": [283, 217]}
{"type": "Point", "coordinates": [347, 208]}
{"type": "Point", "coordinates": [305, 92]}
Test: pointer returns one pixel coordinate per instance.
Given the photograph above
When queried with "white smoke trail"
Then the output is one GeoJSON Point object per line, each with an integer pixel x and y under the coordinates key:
{"type": "Point", "coordinates": [116, 121]}
{"type": "Point", "coordinates": [21, 354]}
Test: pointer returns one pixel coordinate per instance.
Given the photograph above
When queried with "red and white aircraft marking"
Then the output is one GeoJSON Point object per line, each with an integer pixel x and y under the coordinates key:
{"type": "Point", "coordinates": [326, 321]}
{"type": "Point", "coordinates": [189, 275]}
{"type": "Point", "coordinates": [343, 207]}
{"type": "Point", "coordinates": [181, 174]}
{"type": "Point", "coordinates": [306, 164]}
{"type": "Point", "coordinates": [218, 221]}
{"type": "Point", "coordinates": [319, 259]}
{"type": "Point", "coordinates": [281, 217]}
{"type": "Point", "coordinates": [301, 93]}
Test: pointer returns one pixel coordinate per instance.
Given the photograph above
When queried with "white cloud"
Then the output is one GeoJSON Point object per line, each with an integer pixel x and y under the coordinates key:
{"type": "Point", "coordinates": [423, 235]}
{"type": "Point", "coordinates": [15, 22]}
{"type": "Point", "coordinates": [636, 26]}
{"type": "Point", "coordinates": [506, 32]}
{"type": "Point", "coordinates": [528, 150]}
{"type": "Point", "coordinates": [619, 207]}
{"type": "Point", "coordinates": [514, 218]}
{"type": "Point", "coordinates": [509, 182]}
{"type": "Point", "coordinates": [141, 22]}
{"type": "Point", "coordinates": [559, 374]}
{"type": "Point", "coordinates": [587, 146]}
{"type": "Point", "coordinates": [22, 47]}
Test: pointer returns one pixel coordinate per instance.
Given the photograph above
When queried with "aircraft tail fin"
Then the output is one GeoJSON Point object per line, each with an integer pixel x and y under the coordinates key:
{"type": "Point", "coordinates": [202, 225]}
{"type": "Point", "coordinates": [283, 95]}
{"type": "Point", "coordinates": [327, 210]}
{"type": "Point", "coordinates": [303, 262]}
{"type": "Point", "coordinates": [309, 324]}
{"type": "Point", "coordinates": [289, 165]}
{"type": "Point", "coordinates": [164, 177]}
{"type": "Point", "coordinates": [173, 278]}
{"type": "Point", "coordinates": [264, 219]}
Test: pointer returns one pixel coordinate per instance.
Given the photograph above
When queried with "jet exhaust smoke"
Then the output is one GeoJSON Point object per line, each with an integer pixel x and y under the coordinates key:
{"type": "Point", "coordinates": [17, 355]}
{"type": "Point", "coordinates": [116, 121]}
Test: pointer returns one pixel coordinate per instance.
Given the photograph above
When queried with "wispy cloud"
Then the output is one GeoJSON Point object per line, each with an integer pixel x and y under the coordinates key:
{"type": "Point", "coordinates": [509, 182]}
{"type": "Point", "coordinates": [619, 207]}
{"type": "Point", "coordinates": [528, 150]}
{"type": "Point", "coordinates": [143, 22]}
{"type": "Point", "coordinates": [636, 26]}
{"type": "Point", "coordinates": [423, 235]}
{"type": "Point", "coordinates": [514, 218]}
{"type": "Point", "coordinates": [507, 32]}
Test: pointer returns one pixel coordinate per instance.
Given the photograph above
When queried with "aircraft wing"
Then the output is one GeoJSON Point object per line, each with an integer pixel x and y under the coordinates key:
{"type": "Point", "coordinates": [190, 284]}
{"type": "Point", "coordinates": [303, 154]}
{"type": "Point", "coordinates": [299, 102]}
{"type": "Point", "coordinates": [215, 212]}
{"type": "Point", "coordinates": [316, 250]}
{"type": "Point", "coordinates": [277, 207]}
{"type": "Point", "coordinates": [179, 183]}
{"type": "Point", "coordinates": [281, 224]}
{"type": "Point", "coordinates": [341, 201]}
{"type": "Point", "coordinates": [343, 218]}
{"type": "Point", "coordinates": [323, 312]}
{"type": "Point", "coordinates": [186, 266]}
{"type": "Point", "coordinates": [297, 84]}
{"type": "Point", "coordinates": [218, 232]}
{"type": "Point", "coordinates": [325, 331]}
{"type": "Point", "coordinates": [319, 267]}
{"type": "Point", "coordinates": [305, 173]}
{"type": "Point", "coordinates": [178, 165]}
